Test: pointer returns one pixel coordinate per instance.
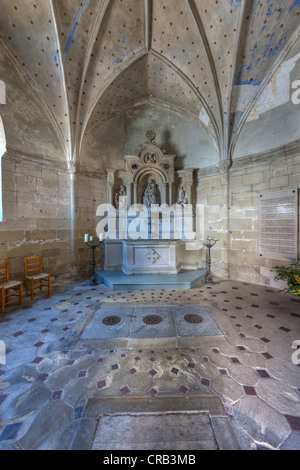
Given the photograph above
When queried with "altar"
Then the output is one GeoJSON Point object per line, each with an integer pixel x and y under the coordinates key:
{"type": "Point", "coordinates": [146, 256]}
{"type": "Point", "coordinates": [149, 228]}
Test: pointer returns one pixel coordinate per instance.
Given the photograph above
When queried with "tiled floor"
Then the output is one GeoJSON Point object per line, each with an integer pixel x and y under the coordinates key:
{"type": "Point", "coordinates": [56, 371]}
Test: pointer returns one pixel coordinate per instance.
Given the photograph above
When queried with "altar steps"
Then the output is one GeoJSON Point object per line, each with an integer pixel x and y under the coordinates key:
{"type": "Point", "coordinates": [117, 280]}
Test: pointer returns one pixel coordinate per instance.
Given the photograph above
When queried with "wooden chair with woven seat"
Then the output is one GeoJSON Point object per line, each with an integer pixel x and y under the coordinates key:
{"type": "Point", "coordinates": [35, 279]}
{"type": "Point", "coordinates": [11, 291]}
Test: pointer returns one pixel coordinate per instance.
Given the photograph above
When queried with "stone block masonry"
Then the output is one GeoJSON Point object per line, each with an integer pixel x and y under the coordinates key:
{"type": "Point", "coordinates": [232, 216]}
{"type": "Point", "coordinates": [40, 218]}
{"type": "Point", "coordinates": [44, 214]}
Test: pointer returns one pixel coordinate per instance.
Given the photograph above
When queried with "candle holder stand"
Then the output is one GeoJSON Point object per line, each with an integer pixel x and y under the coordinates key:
{"type": "Point", "coordinates": [93, 281]}
{"type": "Point", "coordinates": [209, 245]}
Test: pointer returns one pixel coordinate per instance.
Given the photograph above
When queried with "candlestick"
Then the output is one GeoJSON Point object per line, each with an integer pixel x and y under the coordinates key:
{"type": "Point", "coordinates": [93, 281]}
{"type": "Point", "coordinates": [209, 245]}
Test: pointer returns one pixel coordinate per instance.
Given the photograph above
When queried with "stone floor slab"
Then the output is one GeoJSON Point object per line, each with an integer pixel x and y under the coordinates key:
{"type": "Point", "coordinates": [96, 329]}
{"type": "Point", "coordinates": [167, 431]}
{"type": "Point", "coordinates": [207, 327]}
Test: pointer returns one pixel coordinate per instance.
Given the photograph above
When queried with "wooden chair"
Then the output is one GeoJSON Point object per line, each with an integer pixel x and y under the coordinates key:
{"type": "Point", "coordinates": [11, 291]}
{"type": "Point", "coordinates": [35, 279]}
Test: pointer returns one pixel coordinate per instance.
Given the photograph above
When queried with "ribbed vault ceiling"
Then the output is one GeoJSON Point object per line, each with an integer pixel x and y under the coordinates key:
{"type": "Point", "coordinates": [89, 60]}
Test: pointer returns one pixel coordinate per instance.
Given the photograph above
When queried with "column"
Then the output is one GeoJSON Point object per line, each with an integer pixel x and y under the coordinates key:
{"type": "Point", "coordinates": [170, 193]}
{"type": "Point", "coordinates": [128, 194]}
{"type": "Point", "coordinates": [163, 193]}
{"type": "Point", "coordinates": [135, 201]}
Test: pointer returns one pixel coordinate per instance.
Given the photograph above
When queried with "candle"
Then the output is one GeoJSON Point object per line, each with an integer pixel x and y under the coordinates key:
{"type": "Point", "coordinates": [101, 236]}
{"type": "Point", "coordinates": [86, 237]}
{"type": "Point", "coordinates": [91, 238]}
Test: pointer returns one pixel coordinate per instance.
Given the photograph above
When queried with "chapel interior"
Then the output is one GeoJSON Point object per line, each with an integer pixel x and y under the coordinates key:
{"type": "Point", "coordinates": [185, 102]}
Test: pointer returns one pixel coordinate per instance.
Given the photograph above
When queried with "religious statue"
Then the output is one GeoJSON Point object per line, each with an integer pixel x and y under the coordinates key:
{"type": "Point", "coordinates": [150, 158]}
{"type": "Point", "coordinates": [150, 194]}
{"type": "Point", "coordinates": [120, 197]}
{"type": "Point", "coordinates": [182, 198]}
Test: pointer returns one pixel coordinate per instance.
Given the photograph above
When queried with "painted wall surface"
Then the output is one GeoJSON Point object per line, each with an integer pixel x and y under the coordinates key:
{"type": "Point", "coordinates": [177, 133]}
{"type": "Point", "coordinates": [27, 125]}
{"type": "Point", "coordinates": [274, 119]}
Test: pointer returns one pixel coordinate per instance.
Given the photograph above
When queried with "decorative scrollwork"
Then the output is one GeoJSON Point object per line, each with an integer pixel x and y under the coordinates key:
{"type": "Point", "coordinates": [150, 136]}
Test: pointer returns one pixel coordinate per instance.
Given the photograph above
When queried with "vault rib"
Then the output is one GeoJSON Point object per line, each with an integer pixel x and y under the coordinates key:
{"type": "Point", "coordinates": [55, 17]}
{"type": "Point", "coordinates": [148, 23]}
{"type": "Point", "coordinates": [199, 24]}
{"type": "Point", "coordinates": [102, 8]}
{"type": "Point", "coordinates": [227, 129]}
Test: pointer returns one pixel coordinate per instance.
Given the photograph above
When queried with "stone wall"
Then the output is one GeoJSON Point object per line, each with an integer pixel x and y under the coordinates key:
{"type": "Point", "coordinates": [36, 215]}
{"type": "Point", "coordinates": [212, 190]}
{"type": "Point", "coordinates": [90, 192]}
{"type": "Point", "coordinates": [232, 215]}
{"type": "Point", "coordinates": [46, 211]}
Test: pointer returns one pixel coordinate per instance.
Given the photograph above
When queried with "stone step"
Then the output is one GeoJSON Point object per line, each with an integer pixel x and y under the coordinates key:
{"type": "Point", "coordinates": [117, 280]}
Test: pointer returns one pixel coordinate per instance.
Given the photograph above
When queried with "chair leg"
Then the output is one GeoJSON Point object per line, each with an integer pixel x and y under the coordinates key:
{"type": "Point", "coordinates": [2, 299]}
{"type": "Point", "coordinates": [31, 285]}
{"type": "Point", "coordinates": [49, 285]}
{"type": "Point", "coordinates": [20, 297]}
{"type": "Point", "coordinates": [26, 287]}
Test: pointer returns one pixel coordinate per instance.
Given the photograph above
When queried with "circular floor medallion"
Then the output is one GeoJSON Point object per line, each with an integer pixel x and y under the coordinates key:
{"type": "Point", "coordinates": [111, 321]}
{"type": "Point", "coordinates": [193, 318]}
{"type": "Point", "coordinates": [152, 320]}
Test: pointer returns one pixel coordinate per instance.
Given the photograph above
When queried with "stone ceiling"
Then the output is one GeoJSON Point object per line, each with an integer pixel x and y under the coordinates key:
{"type": "Point", "coordinates": [87, 61]}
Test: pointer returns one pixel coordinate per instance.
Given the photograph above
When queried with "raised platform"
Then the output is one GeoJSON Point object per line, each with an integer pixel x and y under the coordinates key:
{"type": "Point", "coordinates": [117, 280]}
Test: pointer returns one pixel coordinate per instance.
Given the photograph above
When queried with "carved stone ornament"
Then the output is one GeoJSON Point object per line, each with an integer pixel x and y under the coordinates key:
{"type": "Point", "coordinates": [120, 197]}
{"type": "Point", "coordinates": [152, 256]}
{"type": "Point", "coordinates": [182, 198]}
{"type": "Point", "coordinates": [150, 135]}
{"type": "Point", "coordinates": [150, 158]}
{"type": "Point", "coordinates": [134, 167]}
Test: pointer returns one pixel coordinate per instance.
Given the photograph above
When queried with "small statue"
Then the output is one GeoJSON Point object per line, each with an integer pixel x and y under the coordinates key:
{"type": "Point", "coordinates": [120, 197]}
{"type": "Point", "coordinates": [182, 198]}
{"type": "Point", "coordinates": [150, 158]}
{"type": "Point", "coordinates": [150, 196]}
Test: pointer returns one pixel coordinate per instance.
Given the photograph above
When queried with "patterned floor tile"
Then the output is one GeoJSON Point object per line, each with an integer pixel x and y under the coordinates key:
{"type": "Point", "coordinates": [258, 325]}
